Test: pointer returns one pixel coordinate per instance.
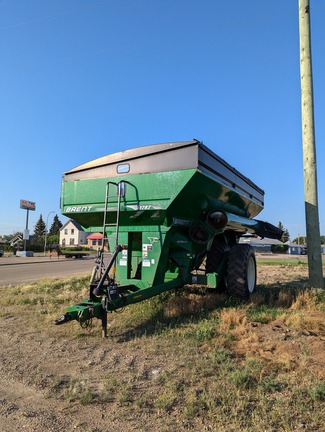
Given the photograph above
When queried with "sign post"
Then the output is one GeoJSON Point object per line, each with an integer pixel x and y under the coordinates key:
{"type": "Point", "coordinates": [27, 205]}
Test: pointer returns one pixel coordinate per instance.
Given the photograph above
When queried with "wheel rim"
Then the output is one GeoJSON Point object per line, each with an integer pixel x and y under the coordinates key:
{"type": "Point", "coordinates": [251, 274]}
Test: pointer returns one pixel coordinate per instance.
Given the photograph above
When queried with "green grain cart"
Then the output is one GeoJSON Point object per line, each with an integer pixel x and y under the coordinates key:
{"type": "Point", "coordinates": [172, 215]}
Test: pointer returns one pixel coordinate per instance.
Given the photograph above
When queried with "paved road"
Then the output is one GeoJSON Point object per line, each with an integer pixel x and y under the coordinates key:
{"type": "Point", "coordinates": [15, 270]}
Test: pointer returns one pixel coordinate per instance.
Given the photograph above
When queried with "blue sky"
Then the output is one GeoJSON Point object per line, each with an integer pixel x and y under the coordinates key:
{"type": "Point", "coordinates": [84, 78]}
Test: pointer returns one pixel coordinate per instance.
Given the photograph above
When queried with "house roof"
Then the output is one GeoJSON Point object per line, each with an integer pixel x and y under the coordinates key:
{"type": "Point", "coordinates": [78, 226]}
{"type": "Point", "coordinates": [259, 241]}
{"type": "Point", "coordinates": [95, 236]}
{"type": "Point", "coordinates": [290, 244]}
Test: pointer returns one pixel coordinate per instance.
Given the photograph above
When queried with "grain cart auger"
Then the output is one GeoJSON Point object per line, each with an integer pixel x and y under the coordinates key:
{"type": "Point", "coordinates": [165, 210]}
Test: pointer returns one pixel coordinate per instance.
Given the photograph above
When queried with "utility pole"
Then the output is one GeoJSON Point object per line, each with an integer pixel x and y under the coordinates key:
{"type": "Point", "coordinates": [309, 150]}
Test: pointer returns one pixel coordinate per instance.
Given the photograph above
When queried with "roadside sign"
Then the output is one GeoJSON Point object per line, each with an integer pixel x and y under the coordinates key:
{"type": "Point", "coordinates": [27, 205]}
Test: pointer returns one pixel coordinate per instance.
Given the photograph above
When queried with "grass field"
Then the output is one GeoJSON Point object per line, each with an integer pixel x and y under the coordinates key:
{"type": "Point", "coordinates": [186, 360]}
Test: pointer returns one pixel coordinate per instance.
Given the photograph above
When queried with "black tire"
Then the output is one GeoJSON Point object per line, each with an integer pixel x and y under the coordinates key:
{"type": "Point", "coordinates": [241, 271]}
{"type": "Point", "coordinates": [214, 257]}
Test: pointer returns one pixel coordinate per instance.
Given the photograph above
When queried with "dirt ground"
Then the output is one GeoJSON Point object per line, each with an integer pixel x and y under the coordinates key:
{"type": "Point", "coordinates": [35, 364]}
{"type": "Point", "coordinates": [281, 342]}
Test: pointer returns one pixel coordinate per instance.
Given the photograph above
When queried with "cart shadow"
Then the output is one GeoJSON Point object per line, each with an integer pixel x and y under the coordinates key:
{"type": "Point", "coordinates": [184, 309]}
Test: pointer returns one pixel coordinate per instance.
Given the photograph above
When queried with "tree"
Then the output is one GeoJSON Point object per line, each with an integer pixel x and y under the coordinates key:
{"type": "Point", "coordinates": [285, 236]}
{"type": "Point", "coordinates": [40, 227]}
{"type": "Point", "coordinates": [301, 240]}
{"type": "Point", "coordinates": [56, 225]}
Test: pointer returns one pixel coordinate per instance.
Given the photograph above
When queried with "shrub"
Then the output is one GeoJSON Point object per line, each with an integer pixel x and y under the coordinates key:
{"type": "Point", "coordinates": [279, 248]}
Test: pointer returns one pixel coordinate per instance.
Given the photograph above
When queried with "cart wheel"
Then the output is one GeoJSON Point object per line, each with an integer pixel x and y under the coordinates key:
{"type": "Point", "coordinates": [214, 257]}
{"type": "Point", "coordinates": [241, 271]}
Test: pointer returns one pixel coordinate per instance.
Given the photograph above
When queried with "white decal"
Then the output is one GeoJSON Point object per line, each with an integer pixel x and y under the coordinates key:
{"type": "Point", "coordinates": [78, 209]}
{"type": "Point", "coordinates": [183, 222]}
{"type": "Point", "coordinates": [138, 213]}
{"type": "Point", "coordinates": [143, 207]}
{"type": "Point", "coordinates": [153, 239]}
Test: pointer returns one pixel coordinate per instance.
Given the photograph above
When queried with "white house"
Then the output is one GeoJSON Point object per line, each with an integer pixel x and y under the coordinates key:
{"type": "Point", "coordinates": [72, 234]}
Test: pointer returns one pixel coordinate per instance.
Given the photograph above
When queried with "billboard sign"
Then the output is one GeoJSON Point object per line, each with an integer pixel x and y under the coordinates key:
{"type": "Point", "coordinates": [27, 205]}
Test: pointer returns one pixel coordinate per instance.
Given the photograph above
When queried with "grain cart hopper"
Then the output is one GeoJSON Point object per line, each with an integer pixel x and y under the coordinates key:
{"type": "Point", "coordinates": [165, 210]}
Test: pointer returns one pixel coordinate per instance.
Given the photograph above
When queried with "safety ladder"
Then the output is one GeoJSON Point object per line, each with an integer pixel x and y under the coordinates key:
{"type": "Point", "coordinates": [101, 269]}
{"type": "Point", "coordinates": [119, 193]}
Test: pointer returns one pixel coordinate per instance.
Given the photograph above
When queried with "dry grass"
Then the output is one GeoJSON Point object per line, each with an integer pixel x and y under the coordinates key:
{"type": "Point", "coordinates": [181, 361]}
{"type": "Point", "coordinates": [233, 319]}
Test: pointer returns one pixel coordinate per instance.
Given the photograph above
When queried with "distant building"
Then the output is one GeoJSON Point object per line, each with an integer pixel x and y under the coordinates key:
{"type": "Point", "coordinates": [95, 241]}
{"type": "Point", "coordinates": [295, 249]}
{"type": "Point", "coordinates": [265, 245]}
{"type": "Point", "coordinates": [259, 244]}
{"type": "Point", "coordinates": [72, 234]}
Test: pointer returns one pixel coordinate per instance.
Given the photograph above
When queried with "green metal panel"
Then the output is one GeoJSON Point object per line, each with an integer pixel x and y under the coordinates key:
{"type": "Point", "coordinates": [147, 199]}
{"type": "Point", "coordinates": [152, 199]}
